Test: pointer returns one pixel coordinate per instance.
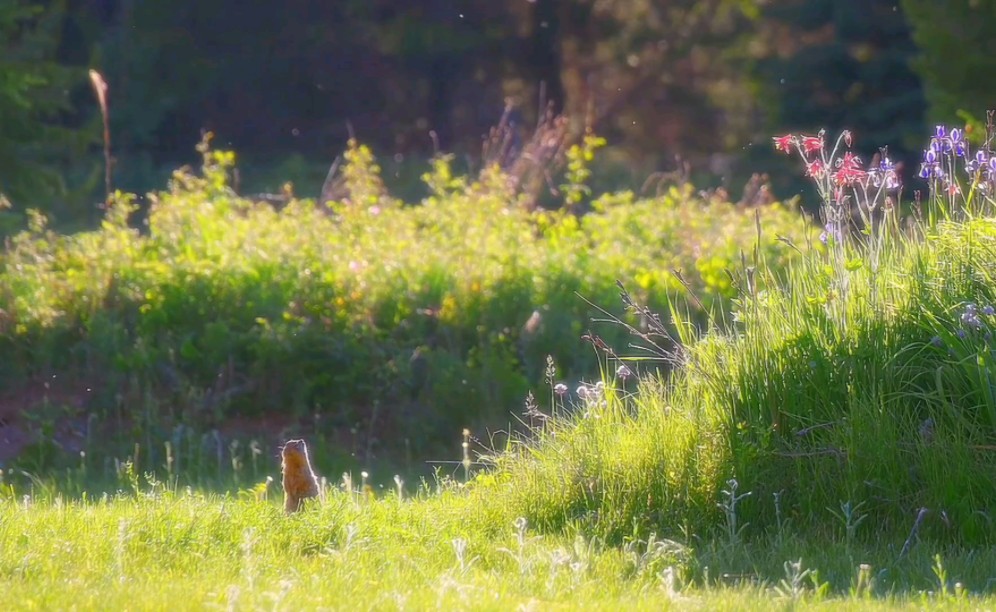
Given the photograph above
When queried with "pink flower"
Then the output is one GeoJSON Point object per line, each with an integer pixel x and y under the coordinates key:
{"type": "Point", "coordinates": [816, 169]}
{"type": "Point", "coordinates": [812, 144]}
{"type": "Point", "coordinates": [849, 170]}
{"type": "Point", "coordinates": [784, 143]}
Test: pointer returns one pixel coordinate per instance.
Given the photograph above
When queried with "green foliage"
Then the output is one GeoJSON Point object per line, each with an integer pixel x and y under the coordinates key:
{"type": "Point", "coordinates": [954, 43]}
{"type": "Point", "coordinates": [151, 545]}
{"type": "Point", "coordinates": [445, 311]}
{"type": "Point", "coordinates": [843, 65]}
{"type": "Point", "coordinates": [33, 92]}
{"type": "Point", "coordinates": [861, 381]}
{"type": "Point", "coordinates": [579, 157]}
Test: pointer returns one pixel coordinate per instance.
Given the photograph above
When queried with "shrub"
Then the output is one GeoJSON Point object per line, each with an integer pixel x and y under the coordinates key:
{"type": "Point", "coordinates": [444, 311]}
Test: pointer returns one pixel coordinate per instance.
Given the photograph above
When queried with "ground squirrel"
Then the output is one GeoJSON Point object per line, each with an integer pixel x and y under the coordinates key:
{"type": "Point", "coordinates": [299, 480]}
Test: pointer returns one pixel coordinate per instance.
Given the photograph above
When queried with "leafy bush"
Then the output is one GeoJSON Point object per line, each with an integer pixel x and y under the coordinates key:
{"type": "Point", "coordinates": [445, 311]}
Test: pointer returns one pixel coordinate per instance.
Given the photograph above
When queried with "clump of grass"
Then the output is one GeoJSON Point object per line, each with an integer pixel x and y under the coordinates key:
{"type": "Point", "coordinates": [861, 377]}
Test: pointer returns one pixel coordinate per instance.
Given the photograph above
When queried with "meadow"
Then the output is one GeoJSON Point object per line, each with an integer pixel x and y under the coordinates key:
{"type": "Point", "coordinates": [806, 420]}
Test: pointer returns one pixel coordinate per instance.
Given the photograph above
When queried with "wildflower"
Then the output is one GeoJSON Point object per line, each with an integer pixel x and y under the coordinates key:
{"type": "Point", "coordinates": [976, 164]}
{"type": "Point", "coordinates": [956, 143]}
{"type": "Point", "coordinates": [970, 317]}
{"type": "Point", "coordinates": [849, 170]}
{"type": "Point", "coordinates": [961, 333]}
{"type": "Point", "coordinates": [816, 169]}
{"type": "Point", "coordinates": [831, 232]}
{"type": "Point", "coordinates": [940, 131]}
{"type": "Point", "coordinates": [812, 144]}
{"type": "Point", "coordinates": [885, 174]}
{"type": "Point", "coordinates": [784, 143]}
{"type": "Point", "coordinates": [560, 389]}
{"type": "Point", "coordinates": [931, 167]}
{"type": "Point", "coordinates": [991, 168]}
{"type": "Point", "coordinates": [623, 372]}
{"type": "Point", "coordinates": [988, 311]}
{"type": "Point", "coordinates": [936, 341]}
{"type": "Point", "coordinates": [583, 391]}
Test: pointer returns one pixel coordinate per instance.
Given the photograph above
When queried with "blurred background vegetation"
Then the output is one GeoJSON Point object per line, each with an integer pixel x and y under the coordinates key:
{"type": "Point", "coordinates": [209, 305]}
{"type": "Point", "coordinates": [696, 86]}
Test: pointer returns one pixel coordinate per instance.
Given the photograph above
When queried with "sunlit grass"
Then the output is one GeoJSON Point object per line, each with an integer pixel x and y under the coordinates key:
{"type": "Point", "coordinates": [166, 549]}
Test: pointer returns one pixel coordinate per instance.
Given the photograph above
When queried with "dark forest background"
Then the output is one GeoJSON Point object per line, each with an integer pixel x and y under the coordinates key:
{"type": "Point", "coordinates": [692, 85]}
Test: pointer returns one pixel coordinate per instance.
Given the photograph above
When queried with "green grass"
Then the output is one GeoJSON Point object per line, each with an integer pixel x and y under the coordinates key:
{"type": "Point", "coordinates": [827, 441]}
{"type": "Point", "coordinates": [162, 549]}
{"type": "Point", "coordinates": [798, 404]}
{"type": "Point", "coordinates": [626, 502]}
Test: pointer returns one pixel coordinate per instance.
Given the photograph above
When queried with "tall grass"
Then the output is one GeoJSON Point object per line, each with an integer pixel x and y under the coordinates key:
{"type": "Point", "coordinates": [861, 379]}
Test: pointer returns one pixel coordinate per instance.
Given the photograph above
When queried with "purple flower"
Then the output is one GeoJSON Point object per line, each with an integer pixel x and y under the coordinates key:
{"type": "Point", "coordinates": [560, 389]}
{"type": "Point", "coordinates": [931, 167]}
{"type": "Point", "coordinates": [957, 143]}
{"type": "Point", "coordinates": [988, 311]}
{"type": "Point", "coordinates": [936, 341]}
{"type": "Point", "coordinates": [623, 372]}
{"type": "Point", "coordinates": [970, 317]}
{"type": "Point", "coordinates": [940, 131]}
{"type": "Point", "coordinates": [832, 232]}
{"type": "Point", "coordinates": [976, 164]}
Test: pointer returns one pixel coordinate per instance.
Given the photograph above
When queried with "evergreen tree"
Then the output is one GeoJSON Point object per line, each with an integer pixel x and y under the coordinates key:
{"type": "Point", "coordinates": [34, 94]}
{"type": "Point", "coordinates": [841, 64]}
{"type": "Point", "coordinates": [957, 55]}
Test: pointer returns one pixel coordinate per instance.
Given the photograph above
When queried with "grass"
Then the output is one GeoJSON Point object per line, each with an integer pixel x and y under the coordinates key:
{"type": "Point", "coordinates": [159, 547]}
{"type": "Point", "coordinates": [826, 442]}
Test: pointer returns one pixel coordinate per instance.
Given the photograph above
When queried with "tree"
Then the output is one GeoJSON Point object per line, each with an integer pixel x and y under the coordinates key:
{"type": "Point", "coordinates": [33, 101]}
{"type": "Point", "coordinates": [840, 64]}
{"type": "Point", "coordinates": [957, 55]}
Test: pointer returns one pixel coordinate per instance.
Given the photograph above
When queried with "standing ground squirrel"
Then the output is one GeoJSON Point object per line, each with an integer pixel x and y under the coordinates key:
{"type": "Point", "coordinates": [300, 481]}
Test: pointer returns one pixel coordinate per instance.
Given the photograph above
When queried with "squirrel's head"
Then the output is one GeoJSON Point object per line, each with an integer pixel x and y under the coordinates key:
{"type": "Point", "coordinates": [292, 446]}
